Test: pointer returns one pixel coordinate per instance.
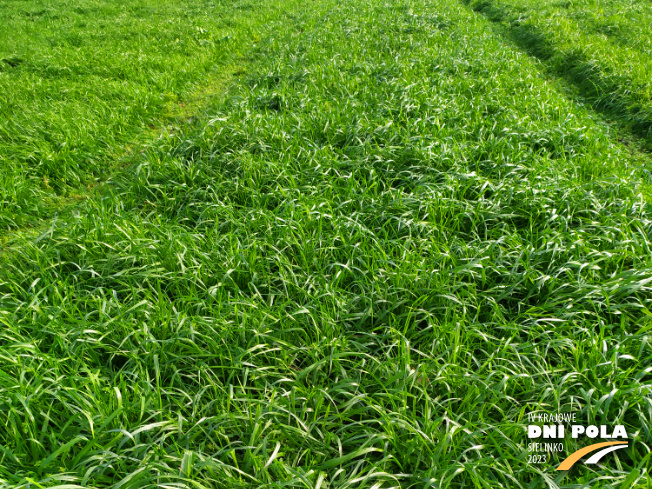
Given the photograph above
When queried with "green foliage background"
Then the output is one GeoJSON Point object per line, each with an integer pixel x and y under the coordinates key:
{"type": "Point", "coordinates": [393, 239]}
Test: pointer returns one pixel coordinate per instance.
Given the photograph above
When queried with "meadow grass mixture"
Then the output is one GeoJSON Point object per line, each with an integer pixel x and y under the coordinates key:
{"type": "Point", "coordinates": [364, 262]}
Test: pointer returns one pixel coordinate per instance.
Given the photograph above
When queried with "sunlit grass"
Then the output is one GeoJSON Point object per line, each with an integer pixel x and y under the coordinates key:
{"type": "Point", "coordinates": [601, 47]}
{"type": "Point", "coordinates": [84, 85]}
{"type": "Point", "coordinates": [386, 245]}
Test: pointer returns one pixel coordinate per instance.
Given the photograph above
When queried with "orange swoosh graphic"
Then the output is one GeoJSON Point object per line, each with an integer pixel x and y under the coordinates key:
{"type": "Point", "coordinates": [575, 456]}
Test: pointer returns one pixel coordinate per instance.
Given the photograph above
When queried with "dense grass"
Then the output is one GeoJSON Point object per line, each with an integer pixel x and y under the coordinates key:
{"type": "Point", "coordinates": [602, 46]}
{"type": "Point", "coordinates": [362, 270]}
{"type": "Point", "coordinates": [85, 84]}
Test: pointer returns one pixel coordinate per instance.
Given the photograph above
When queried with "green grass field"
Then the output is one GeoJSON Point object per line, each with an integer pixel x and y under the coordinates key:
{"type": "Point", "coordinates": [358, 264]}
{"type": "Point", "coordinates": [85, 84]}
{"type": "Point", "coordinates": [602, 47]}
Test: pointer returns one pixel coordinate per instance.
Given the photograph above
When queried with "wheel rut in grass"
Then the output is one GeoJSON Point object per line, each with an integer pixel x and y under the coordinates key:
{"type": "Point", "coordinates": [34, 191]}
{"type": "Point", "coordinates": [182, 116]}
{"type": "Point", "coordinates": [587, 83]}
{"type": "Point", "coordinates": [84, 90]}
